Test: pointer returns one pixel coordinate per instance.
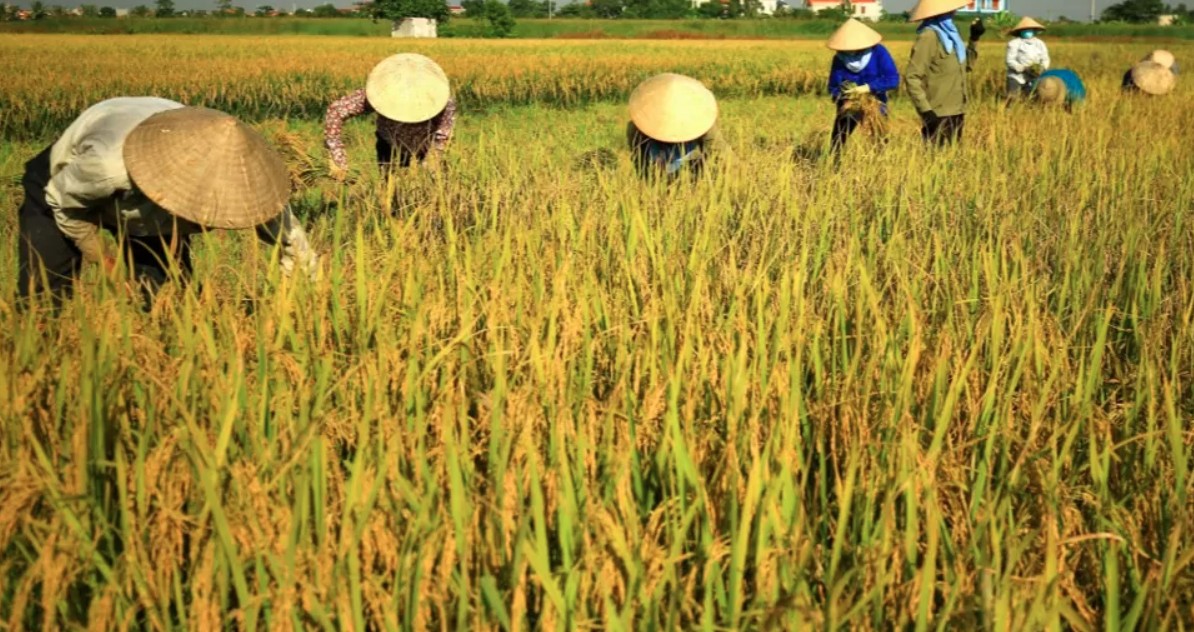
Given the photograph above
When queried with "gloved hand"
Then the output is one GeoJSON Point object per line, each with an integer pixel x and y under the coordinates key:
{"type": "Point", "coordinates": [977, 28]}
{"type": "Point", "coordinates": [338, 173]}
{"type": "Point", "coordinates": [306, 264]}
{"type": "Point", "coordinates": [857, 91]}
{"type": "Point", "coordinates": [929, 118]}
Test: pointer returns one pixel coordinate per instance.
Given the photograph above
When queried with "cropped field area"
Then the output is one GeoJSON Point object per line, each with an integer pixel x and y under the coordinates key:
{"type": "Point", "coordinates": [294, 77]}
{"type": "Point", "coordinates": [947, 390]}
{"type": "Point", "coordinates": [556, 28]}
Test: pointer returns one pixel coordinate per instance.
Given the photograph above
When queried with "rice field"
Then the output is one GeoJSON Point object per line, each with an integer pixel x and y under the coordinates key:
{"type": "Point", "coordinates": [922, 390]}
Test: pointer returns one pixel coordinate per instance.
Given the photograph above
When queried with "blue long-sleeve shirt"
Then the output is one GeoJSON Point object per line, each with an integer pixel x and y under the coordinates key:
{"type": "Point", "coordinates": [1075, 92]}
{"type": "Point", "coordinates": [880, 74]}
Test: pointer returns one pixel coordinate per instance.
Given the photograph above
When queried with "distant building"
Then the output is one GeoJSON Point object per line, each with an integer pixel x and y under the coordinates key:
{"type": "Point", "coordinates": [987, 6]}
{"type": "Point", "coordinates": [455, 9]}
{"type": "Point", "coordinates": [870, 10]}
{"type": "Point", "coordinates": [766, 7]}
{"type": "Point", "coordinates": [414, 27]}
{"type": "Point", "coordinates": [1166, 20]}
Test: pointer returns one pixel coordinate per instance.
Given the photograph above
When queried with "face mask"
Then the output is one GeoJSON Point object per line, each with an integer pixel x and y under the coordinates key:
{"type": "Point", "coordinates": [855, 61]}
{"type": "Point", "coordinates": [1027, 34]}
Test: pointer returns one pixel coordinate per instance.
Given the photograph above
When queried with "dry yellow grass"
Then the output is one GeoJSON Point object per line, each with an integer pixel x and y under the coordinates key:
{"type": "Point", "coordinates": [921, 390]}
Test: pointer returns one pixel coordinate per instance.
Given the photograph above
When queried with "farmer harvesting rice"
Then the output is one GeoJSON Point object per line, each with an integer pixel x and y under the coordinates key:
{"type": "Point", "coordinates": [862, 73]}
{"type": "Point", "coordinates": [671, 127]}
{"type": "Point", "coordinates": [1061, 86]}
{"type": "Point", "coordinates": [1156, 74]}
{"type": "Point", "coordinates": [152, 172]}
{"type": "Point", "coordinates": [1151, 78]}
{"type": "Point", "coordinates": [1027, 58]}
{"type": "Point", "coordinates": [1163, 57]}
{"type": "Point", "coordinates": [936, 76]}
{"type": "Point", "coordinates": [415, 112]}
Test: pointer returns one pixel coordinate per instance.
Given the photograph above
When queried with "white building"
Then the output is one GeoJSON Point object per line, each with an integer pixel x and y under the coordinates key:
{"type": "Point", "coordinates": [414, 27]}
{"type": "Point", "coordinates": [870, 10]}
{"type": "Point", "coordinates": [987, 6]}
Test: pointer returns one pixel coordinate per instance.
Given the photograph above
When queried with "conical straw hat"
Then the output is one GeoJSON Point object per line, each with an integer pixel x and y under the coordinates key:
{"type": "Point", "coordinates": [853, 35]}
{"type": "Point", "coordinates": [1051, 90]}
{"type": "Point", "coordinates": [408, 88]}
{"type": "Point", "coordinates": [1163, 57]}
{"type": "Point", "coordinates": [926, 9]}
{"type": "Point", "coordinates": [1153, 78]}
{"type": "Point", "coordinates": [207, 167]}
{"type": "Point", "coordinates": [1027, 23]}
{"type": "Point", "coordinates": [673, 108]}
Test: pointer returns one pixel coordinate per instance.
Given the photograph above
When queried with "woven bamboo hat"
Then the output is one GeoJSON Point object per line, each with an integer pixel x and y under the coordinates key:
{"type": "Point", "coordinates": [673, 108]}
{"type": "Point", "coordinates": [1026, 23]}
{"type": "Point", "coordinates": [1163, 57]}
{"type": "Point", "coordinates": [926, 9]}
{"type": "Point", "coordinates": [207, 167]}
{"type": "Point", "coordinates": [853, 35]}
{"type": "Point", "coordinates": [1051, 90]}
{"type": "Point", "coordinates": [1153, 78]}
{"type": "Point", "coordinates": [408, 88]}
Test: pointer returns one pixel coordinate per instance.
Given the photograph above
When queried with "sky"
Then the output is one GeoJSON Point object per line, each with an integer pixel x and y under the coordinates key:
{"type": "Point", "coordinates": [1047, 9]}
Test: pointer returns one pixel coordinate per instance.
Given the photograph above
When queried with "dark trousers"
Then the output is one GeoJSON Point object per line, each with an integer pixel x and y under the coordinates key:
{"type": "Point", "coordinates": [388, 154]}
{"type": "Point", "coordinates": [48, 260]}
{"type": "Point", "coordinates": [943, 129]}
{"type": "Point", "coordinates": [843, 126]}
{"type": "Point", "coordinates": [1016, 90]}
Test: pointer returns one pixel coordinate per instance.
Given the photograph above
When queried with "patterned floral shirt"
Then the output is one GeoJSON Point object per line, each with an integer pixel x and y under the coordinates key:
{"type": "Point", "coordinates": [416, 138]}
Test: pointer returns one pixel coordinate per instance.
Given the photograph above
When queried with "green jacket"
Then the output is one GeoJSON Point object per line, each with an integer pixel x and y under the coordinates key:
{"type": "Point", "coordinates": [936, 80]}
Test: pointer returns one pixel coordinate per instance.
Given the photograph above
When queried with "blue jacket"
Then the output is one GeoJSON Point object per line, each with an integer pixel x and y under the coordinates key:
{"type": "Point", "coordinates": [1075, 92]}
{"type": "Point", "coordinates": [880, 74]}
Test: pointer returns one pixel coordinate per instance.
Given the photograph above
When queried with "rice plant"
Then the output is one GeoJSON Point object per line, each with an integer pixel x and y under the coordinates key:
{"type": "Point", "coordinates": [923, 389]}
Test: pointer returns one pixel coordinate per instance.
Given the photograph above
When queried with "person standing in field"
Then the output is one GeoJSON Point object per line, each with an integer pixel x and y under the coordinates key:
{"type": "Point", "coordinates": [672, 125]}
{"type": "Point", "coordinates": [415, 113]}
{"type": "Point", "coordinates": [152, 172]}
{"type": "Point", "coordinates": [1027, 58]}
{"type": "Point", "coordinates": [936, 75]}
{"type": "Point", "coordinates": [1060, 87]}
{"type": "Point", "coordinates": [1156, 74]}
{"type": "Point", "coordinates": [862, 71]}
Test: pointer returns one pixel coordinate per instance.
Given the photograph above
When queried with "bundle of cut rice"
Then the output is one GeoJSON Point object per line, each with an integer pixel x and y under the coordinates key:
{"type": "Point", "coordinates": [870, 110]}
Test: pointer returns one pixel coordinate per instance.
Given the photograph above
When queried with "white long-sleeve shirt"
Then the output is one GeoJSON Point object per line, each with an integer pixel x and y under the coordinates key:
{"type": "Point", "coordinates": [89, 186]}
{"type": "Point", "coordinates": [1022, 54]}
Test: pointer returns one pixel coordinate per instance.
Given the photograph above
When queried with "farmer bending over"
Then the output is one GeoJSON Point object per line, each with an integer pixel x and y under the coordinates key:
{"type": "Point", "coordinates": [415, 113]}
{"type": "Point", "coordinates": [671, 128]}
{"type": "Point", "coordinates": [1060, 87]}
{"type": "Point", "coordinates": [1154, 75]}
{"type": "Point", "coordinates": [861, 67]}
{"type": "Point", "coordinates": [152, 172]}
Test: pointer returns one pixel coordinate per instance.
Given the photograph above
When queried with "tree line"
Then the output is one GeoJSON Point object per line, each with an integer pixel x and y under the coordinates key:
{"type": "Point", "coordinates": [501, 14]}
{"type": "Point", "coordinates": [1146, 12]}
{"type": "Point", "coordinates": [39, 10]}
